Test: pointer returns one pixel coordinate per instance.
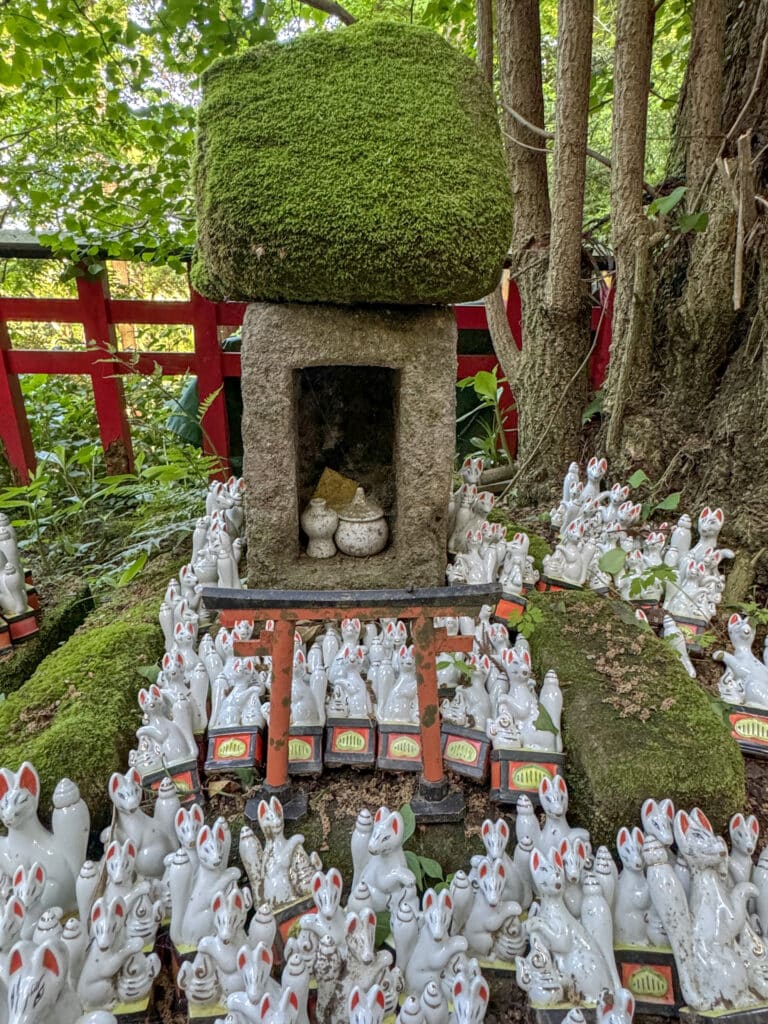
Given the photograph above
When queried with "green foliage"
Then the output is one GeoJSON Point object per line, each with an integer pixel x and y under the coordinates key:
{"type": "Point", "coordinates": [758, 613]}
{"type": "Point", "coordinates": [72, 515]}
{"type": "Point", "coordinates": [425, 869]}
{"type": "Point", "coordinates": [363, 165]}
{"type": "Point", "coordinates": [595, 408]}
{"type": "Point", "coordinates": [525, 622]}
{"type": "Point", "coordinates": [492, 443]}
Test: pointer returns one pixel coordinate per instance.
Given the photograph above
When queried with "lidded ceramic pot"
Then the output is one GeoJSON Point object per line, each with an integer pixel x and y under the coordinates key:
{"type": "Point", "coordinates": [362, 530]}
{"type": "Point", "coordinates": [319, 523]}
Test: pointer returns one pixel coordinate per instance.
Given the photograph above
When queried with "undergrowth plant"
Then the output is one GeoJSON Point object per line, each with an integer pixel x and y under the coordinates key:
{"type": "Point", "coordinates": [74, 517]}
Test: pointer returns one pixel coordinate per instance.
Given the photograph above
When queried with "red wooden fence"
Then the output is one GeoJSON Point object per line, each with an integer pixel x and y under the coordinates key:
{"type": "Point", "coordinates": [101, 360]}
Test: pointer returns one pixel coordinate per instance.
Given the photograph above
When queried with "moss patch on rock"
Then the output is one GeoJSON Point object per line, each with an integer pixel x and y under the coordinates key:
{"type": "Point", "coordinates": [362, 165]}
{"type": "Point", "coordinates": [77, 715]}
{"type": "Point", "coordinates": [634, 724]}
{"type": "Point", "coordinates": [57, 623]}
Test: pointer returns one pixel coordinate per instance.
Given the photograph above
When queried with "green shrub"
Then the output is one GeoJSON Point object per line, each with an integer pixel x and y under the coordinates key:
{"type": "Point", "coordinates": [362, 165]}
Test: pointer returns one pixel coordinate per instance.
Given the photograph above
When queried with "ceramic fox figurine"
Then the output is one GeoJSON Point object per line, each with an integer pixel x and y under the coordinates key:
{"type": "Point", "coordinates": [229, 910]}
{"type": "Point", "coordinates": [720, 961]}
{"type": "Point", "coordinates": [632, 896]}
{"type": "Point", "coordinates": [255, 966]}
{"type": "Point", "coordinates": [577, 956]}
{"type": "Point", "coordinates": [553, 797]}
{"type": "Point", "coordinates": [400, 702]}
{"type": "Point", "coordinates": [328, 918]}
{"type": "Point", "coordinates": [744, 673]}
{"type": "Point", "coordinates": [154, 837]}
{"type": "Point", "coordinates": [60, 852]}
{"type": "Point", "coordinates": [191, 887]}
{"type": "Point", "coordinates": [744, 832]}
{"type": "Point", "coordinates": [378, 857]}
{"type": "Point", "coordinates": [495, 836]}
{"type": "Point", "coordinates": [287, 870]}
{"type": "Point", "coordinates": [424, 946]}
{"type": "Point", "coordinates": [38, 987]}
{"type": "Point", "coordinates": [493, 928]}
{"type": "Point", "coordinates": [107, 955]}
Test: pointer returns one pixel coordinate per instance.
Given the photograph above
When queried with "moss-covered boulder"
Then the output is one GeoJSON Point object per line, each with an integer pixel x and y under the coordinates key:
{"type": "Point", "coordinates": [634, 724]}
{"type": "Point", "coordinates": [77, 715]}
{"type": "Point", "coordinates": [362, 165]}
{"type": "Point", "coordinates": [59, 620]}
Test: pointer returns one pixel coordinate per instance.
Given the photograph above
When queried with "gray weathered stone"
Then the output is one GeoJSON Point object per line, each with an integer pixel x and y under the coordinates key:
{"type": "Point", "coordinates": [419, 343]}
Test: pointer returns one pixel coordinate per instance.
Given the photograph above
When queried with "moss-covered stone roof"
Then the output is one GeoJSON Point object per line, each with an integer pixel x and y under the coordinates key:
{"type": "Point", "coordinates": [361, 165]}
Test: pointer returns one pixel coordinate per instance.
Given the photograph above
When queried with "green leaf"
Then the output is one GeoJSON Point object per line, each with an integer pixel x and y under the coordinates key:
{"type": "Point", "coordinates": [665, 204]}
{"type": "Point", "coordinates": [413, 864]}
{"type": "Point", "coordinates": [670, 503]}
{"type": "Point", "coordinates": [150, 672]}
{"type": "Point", "coordinates": [383, 927]}
{"type": "Point", "coordinates": [544, 721]}
{"type": "Point", "coordinates": [693, 222]}
{"type": "Point", "coordinates": [133, 569]}
{"type": "Point", "coordinates": [409, 821]}
{"type": "Point", "coordinates": [430, 867]}
{"type": "Point", "coordinates": [613, 561]}
{"type": "Point", "coordinates": [594, 408]}
{"type": "Point", "coordinates": [637, 478]}
{"type": "Point", "coordinates": [486, 384]}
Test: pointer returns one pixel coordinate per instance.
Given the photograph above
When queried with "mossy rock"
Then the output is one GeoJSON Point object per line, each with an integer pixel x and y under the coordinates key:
{"type": "Point", "coordinates": [77, 715]}
{"type": "Point", "coordinates": [58, 622]}
{"type": "Point", "coordinates": [634, 724]}
{"type": "Point", "coordinates": [362, 165]}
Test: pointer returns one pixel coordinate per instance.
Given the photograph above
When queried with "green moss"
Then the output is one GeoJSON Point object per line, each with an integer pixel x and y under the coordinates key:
{"type": "Point", "coordinates": [634, 724]}
{"type": "Point", "coordinates": [58, 622]}
{"type": "Point", "coordinates": [362, 165]}
{"type": "Point", "coordinates": [78, 713]}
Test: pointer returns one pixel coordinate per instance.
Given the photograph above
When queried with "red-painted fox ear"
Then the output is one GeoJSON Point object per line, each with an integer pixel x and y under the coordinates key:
{"type": "Point", "coordinates": [380, 999]}
{"type": "Point", "coordinates": [28, 779]}
{"type": "Point", "coordinates": [16, 962]}
{"type": "Point", "coordinates": [242, 960]}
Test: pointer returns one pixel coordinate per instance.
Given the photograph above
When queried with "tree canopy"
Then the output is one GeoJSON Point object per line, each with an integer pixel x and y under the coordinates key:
{"type": "Point", "coordinates": [98, 102]}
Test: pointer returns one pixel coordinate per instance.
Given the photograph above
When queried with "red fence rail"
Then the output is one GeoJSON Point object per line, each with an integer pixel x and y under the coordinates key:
{"type": "Point", "coordinates": [105, 364]}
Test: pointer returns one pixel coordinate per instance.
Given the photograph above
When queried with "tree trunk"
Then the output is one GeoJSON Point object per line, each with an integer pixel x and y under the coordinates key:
{"type": "Point", "coordinates": [698, 399]}
{"type": "Point", "coordinates": [549, 375]}
{"type": "Point", "coordinates": [632, 80]}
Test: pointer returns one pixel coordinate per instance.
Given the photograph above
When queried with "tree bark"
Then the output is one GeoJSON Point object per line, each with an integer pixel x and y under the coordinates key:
{"type": "Point", "coordinates": [705, 90]}
{"type": "Point", "coordinates": [565, 291]}
{"type": "Point", "coordinates": [698, 396]}
{"type": "Point", "coordinates": [549, 374]}
{"type": "Point", "coordinates": [632, 82]}
{"type": "Point", "coordinates": [484, 11]}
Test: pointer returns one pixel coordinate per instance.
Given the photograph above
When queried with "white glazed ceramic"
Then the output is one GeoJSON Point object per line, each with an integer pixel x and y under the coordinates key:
{"type": "Point", "coordinates": [60, 852]}
{"type": "Point", "coordinates": [362, 529]}
{"type": "Point", "coordinates": [319, 522]}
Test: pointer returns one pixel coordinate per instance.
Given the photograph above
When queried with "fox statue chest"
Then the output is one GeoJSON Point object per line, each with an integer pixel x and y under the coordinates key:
{"type": "Point", "coordinates": [28, 841]}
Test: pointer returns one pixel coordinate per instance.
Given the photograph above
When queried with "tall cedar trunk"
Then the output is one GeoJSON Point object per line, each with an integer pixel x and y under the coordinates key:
{"type": "Point", "coordinates": [697, 406]}
{"type": "Point", "coordinates": [632, 78]}
{"type": "Point", "coordinates": [549, 375]}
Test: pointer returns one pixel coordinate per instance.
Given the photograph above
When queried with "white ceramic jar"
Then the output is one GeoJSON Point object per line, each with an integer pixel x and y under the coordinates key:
{"type": "Point", "coordinates": [362, 529]}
